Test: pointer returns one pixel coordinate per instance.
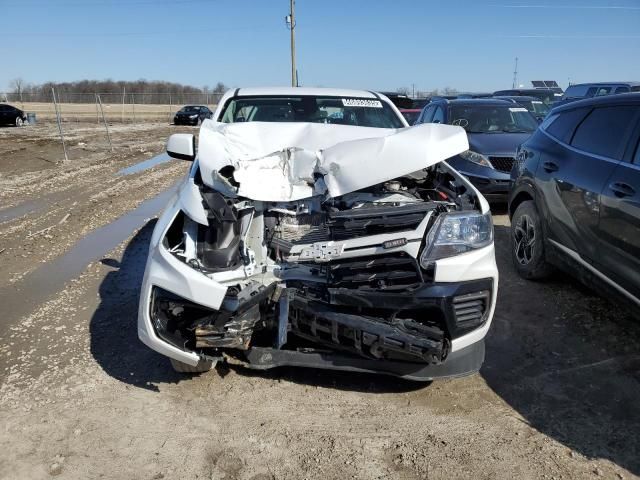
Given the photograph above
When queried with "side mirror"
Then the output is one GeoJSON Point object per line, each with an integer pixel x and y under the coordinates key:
{"type": "Point", "coordinates": [182, 146]}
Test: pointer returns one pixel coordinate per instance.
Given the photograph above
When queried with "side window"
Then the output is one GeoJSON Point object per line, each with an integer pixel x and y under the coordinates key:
{"type": "Point", "coordinates": [604, 130]}
{"type": "Point", "coordinates": [565, 123]}
{"type": "Point", "coordinates": [591, 92]}
{"type": "Point", "coordinates": [636, 88]}
{"type": "Point", "coordinates": [603, 91]}
{"type": "Point", "coordinates": [622, 90]}
{"type": "Point", "coordinates": [438, 116]}
{"type": "Point", "coordinates": [427, 115]}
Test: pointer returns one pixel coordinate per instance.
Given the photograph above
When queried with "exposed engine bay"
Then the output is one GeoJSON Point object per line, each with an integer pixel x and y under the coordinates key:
{"type": "Point", "coordinates": [324, 266]}
{"type": "Point", "coordinates": [309, 270]}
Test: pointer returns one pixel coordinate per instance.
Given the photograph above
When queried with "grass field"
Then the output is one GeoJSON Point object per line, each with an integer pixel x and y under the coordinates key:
{"type": "Point", "coordinates": [113, 112]}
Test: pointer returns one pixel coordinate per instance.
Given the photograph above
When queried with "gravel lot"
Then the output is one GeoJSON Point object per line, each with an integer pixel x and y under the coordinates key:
{"type": "Point", "coordinates": [81, 397]}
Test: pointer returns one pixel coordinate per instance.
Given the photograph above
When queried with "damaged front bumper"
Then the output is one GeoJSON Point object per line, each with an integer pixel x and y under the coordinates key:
{"type": "Point", "coordinates": [433, 328]}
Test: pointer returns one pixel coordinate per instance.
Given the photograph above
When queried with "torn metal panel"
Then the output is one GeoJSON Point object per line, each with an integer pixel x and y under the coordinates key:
{"type": "Point", "coordinates": [352, 165]}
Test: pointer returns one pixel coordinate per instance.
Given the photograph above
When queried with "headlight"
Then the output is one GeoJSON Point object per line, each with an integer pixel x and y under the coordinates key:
{"type": "Point", "coordinates": [476, 158]}
{"type": "Point", "coordinates": [193, 116]}
{"type": "Point", "coordinates": [456, 233]}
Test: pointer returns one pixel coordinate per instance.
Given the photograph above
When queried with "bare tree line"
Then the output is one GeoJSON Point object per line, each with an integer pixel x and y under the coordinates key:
{"type": "Point", "coordinates": [83, 91]}
{"type": "Point", "coordinates": [427, 93]}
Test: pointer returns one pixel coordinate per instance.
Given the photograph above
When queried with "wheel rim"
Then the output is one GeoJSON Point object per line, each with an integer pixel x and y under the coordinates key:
{"type": "Point", "coordinates": [18, 122]}
{"type": "Point", "coordinates": [524, 239]}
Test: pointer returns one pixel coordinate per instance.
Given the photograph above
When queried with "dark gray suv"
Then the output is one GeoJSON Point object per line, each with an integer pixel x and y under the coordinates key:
{"type": "Point", "coordinates": [575, 203]}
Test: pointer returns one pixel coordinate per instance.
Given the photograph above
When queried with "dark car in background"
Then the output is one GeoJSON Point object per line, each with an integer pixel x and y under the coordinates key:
{"type": "Point", "coordinates": [536, 107]}
{"type": "Point", "coordinates": [400, 100]}
{"type": "Point", "coordinates": [475, 95]}
{"type": "Point", "coordinates": [10, 115]}
{"type": "Point", "coordinates": [580, 91]}
{"type": "Point", "coordinates": [576, 198]}
{"type": "Point", "coordinates": [410, 114]}
{"type": "Point", "coordinates": [546, 95]}
{"type": "Point", "coordinates": [192, 115]}
{"type": "Point", "coordinates": [495, 129]}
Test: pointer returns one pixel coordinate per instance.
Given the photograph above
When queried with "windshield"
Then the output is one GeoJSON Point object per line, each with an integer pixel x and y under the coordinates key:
{"type": "Point", "coordinates": [190, 108]}
{"type": "Point", "coordinates": [493, 119]}
{"type": "Point", "coordinates": [539, 107]}
{"type": "Point", "coordinates": [361, 112]}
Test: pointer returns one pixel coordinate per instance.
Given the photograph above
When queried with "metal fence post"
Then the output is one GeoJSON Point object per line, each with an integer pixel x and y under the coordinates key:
{"type": "Point", "coordinates": [123, 94]}
{"type": "Point", "coordinates": [55, 103]}
{"type": "Point", "coordinates": [99, 100]}
{"type": "Point", "coordinates": [97, 111]}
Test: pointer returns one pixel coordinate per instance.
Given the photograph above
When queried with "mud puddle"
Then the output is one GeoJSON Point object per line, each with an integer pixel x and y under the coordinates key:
{"type": "Point", "coordinates": [22, 209]}
{"type": "Point", "coordinates": [39, 204]}
{"type": "Point", "coordinates": [21, 298]}
{"type": "Point", "coordinates": [146, 164]}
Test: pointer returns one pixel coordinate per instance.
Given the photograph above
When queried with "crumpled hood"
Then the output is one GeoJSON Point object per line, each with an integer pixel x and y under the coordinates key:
{"type": "Point", "coordinates": [293, 161]}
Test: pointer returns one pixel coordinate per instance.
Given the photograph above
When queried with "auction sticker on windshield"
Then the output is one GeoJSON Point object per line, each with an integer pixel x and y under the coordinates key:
{"type": "Point", "coordinates": [518, 109]}
{"type": "Point", "coordinates": [360, 102]}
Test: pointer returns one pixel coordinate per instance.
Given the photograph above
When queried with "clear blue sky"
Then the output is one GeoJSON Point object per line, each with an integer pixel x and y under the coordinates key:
{"type": "Point", "coordinates": [466, 44]}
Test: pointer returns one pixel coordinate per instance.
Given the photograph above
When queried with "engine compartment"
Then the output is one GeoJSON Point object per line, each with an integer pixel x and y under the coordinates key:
{"type": "Point", "coordinates": [338, 274]}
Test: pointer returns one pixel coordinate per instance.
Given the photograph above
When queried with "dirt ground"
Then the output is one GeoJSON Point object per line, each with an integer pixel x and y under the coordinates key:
{"type": "Point", "coordinates": [81, 397]}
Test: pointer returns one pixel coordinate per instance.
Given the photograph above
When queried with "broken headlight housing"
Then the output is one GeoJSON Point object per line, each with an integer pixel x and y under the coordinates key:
{"type": "Point", "coordinates": [456, 233]}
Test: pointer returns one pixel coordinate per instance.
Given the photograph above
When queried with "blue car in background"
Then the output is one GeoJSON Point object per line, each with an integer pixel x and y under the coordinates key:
{"type": "Point", "coordinates": [495, 129]}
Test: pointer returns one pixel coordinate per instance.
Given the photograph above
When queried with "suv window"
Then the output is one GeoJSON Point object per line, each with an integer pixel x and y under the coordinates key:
{"type": "Point", "coordinates": [575, 91]}
{"type": "Point", "coordinates": [428, 114]}
{"type": "Point", "coordinates": [591, 92]}
{"type": "Point", "coordinates": [622, 90]}
{"type": "Point", "coordinates": [603, 91]}
{"type": "Point", "coordinates": [564, 124]}
{"type": "Point", "coordinates": [604, 130]}
{"type": "Point", "coordinates": [438, 116]}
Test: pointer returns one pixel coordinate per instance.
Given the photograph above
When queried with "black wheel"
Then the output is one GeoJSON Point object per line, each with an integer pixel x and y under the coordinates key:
{"type": "Point", "coordinates": [202, 367]}
{"type": "Point", "coordinates": [527, 243]}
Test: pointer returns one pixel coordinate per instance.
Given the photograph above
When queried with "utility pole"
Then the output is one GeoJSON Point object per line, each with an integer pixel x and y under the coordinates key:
{"type": "Point", "coordinates": [291, 24]}
{"type": "Point", "coordinates": [515, 75]}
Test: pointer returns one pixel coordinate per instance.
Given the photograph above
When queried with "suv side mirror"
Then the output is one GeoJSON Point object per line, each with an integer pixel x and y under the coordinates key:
{"type": "Point", "coordinates": [182, 146]}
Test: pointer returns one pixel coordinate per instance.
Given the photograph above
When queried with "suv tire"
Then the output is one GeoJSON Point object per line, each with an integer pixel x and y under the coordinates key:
{"type": "Point", "coordinates": [19, 122]}
{"type": "Point", "coordinates": [202, 367]}
{"type": "Point", "coordinates": [527, 243]}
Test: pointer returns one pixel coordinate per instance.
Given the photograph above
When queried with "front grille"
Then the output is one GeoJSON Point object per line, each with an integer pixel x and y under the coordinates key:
{"type": "Point", "coordinates": [502, 164]}
{"type": "Point", "coordinates": [365, 221]}
{"type": "Point", "coordinates": [374, 272]}
{"type": "Point", "coordinates": [470, 309]}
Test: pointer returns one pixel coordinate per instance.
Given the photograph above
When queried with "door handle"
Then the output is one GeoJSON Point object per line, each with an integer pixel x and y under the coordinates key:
{"type": "Point", "coordinates": [550, 167]}
{"type": "Point", "coordinates": [622, 189]}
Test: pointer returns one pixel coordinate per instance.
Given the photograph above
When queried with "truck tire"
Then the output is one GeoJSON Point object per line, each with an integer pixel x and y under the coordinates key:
{"type": "Point", "coordinates": [202, 367]}
{"type": "Point", "coordinates": [527, 243]}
